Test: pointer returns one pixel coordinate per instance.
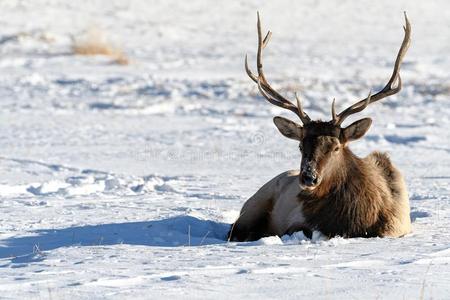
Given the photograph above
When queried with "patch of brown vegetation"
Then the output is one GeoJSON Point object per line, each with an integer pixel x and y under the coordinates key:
{"type": "Point", "coordinates": [94, 42]}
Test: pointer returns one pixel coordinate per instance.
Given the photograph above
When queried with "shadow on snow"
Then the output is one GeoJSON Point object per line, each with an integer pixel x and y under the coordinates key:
{"type": "Point", "coordinates": [171, 232]}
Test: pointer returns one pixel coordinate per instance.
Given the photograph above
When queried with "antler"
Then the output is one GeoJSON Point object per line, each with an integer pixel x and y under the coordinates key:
{"type": "Point", "coordinates": [264, 87]}
{"type": "Point", "coordinates": [388, 90]}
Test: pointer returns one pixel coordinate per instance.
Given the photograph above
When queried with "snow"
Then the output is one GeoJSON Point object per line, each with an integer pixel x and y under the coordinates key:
{"type": "Point", "coordinates": [121, 181]}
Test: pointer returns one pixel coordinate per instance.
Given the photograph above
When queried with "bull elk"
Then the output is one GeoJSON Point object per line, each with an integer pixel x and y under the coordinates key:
{"type": "Point", "coordinates": [334, 192]}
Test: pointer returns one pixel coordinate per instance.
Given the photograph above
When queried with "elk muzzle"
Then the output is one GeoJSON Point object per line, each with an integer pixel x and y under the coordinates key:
{"type": "Point", "coordinates": [309, 177]}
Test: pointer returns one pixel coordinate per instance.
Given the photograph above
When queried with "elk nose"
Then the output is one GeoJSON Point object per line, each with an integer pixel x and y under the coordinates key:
{"type": "Point", "coordinates": [309, 179]}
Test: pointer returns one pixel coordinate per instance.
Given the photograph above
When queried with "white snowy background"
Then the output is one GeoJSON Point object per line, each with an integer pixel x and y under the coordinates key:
{"type": "Point", "coordinates": [120, 181]}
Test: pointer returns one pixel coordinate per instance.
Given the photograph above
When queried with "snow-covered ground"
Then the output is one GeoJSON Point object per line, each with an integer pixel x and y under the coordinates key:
{"type": "Point", "coordinates": [120, 181]}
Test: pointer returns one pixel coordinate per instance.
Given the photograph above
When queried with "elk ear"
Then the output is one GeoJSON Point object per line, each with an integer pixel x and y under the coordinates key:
{"type": "Point", "coordinates": [288, 128]}
{"type": "Point", "coordinates": [356, 130]}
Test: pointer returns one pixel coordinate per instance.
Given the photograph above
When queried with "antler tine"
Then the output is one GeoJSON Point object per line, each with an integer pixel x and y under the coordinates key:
{"type": "Point", "coordinates": [388, 89]}
{"type": "Point", "coordinates": [356, 108]}
{"type": "Point", "coordinates": [303, 116]}
{"type": "Point", "coordinates": [264, 87]}
{"type": "Point", "coordinates": [333, 110]}
{"type": "Point", "coordinates": [274, 101]}
{"type": "Point", "coordinates": [267, 38]}
{"type": "Point", "coordinates": [249, 72]}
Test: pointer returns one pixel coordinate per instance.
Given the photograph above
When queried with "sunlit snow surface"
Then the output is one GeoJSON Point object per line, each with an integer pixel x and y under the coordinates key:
{"type": "Point", "coordinates": [121, 181]}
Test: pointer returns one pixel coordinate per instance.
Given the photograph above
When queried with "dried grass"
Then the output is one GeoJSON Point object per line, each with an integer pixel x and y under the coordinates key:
{"type": "Point", "coordinates": [94, 42]}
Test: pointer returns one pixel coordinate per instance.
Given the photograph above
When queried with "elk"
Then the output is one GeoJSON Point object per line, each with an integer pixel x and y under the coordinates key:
{"type": "Point", "coordinates": [334, 191]}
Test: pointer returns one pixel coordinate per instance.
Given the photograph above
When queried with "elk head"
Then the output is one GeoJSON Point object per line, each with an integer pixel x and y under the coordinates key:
{"type": "Point", "coordinates": [322, 143]}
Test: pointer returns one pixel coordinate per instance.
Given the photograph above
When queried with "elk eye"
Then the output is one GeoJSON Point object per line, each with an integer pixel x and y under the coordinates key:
{"type": "Point", "coordinates": [336, 149]}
